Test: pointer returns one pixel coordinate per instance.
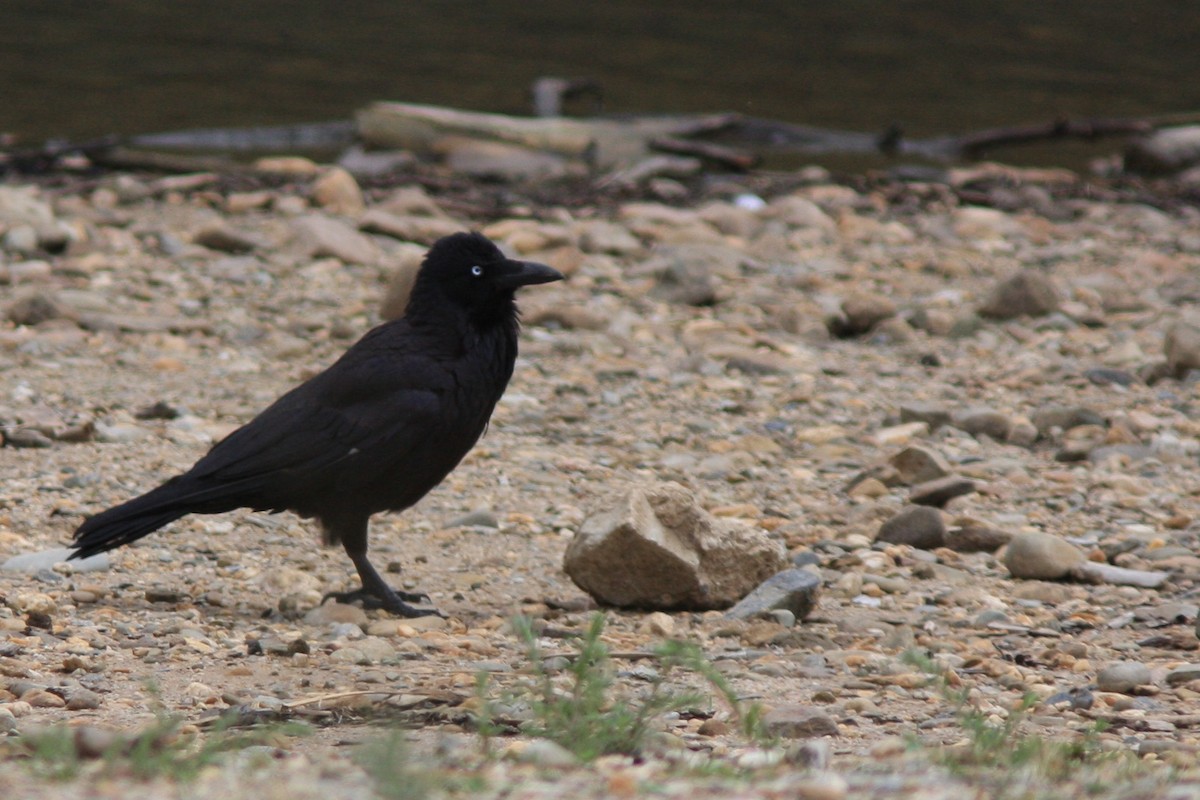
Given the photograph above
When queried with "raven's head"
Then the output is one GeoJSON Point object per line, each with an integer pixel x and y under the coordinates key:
{"type": "Point", "coordinates": [470, 271]}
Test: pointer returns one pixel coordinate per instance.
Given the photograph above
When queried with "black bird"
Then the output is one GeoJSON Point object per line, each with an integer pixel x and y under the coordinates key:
{"type": "Point", "coordinates": [375, 431]}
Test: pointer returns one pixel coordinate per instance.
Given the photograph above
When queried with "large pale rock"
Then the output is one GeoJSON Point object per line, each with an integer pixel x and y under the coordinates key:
{"type": "Point", "coordinates": [322, 236]}
{"type": "Point", "coordinates": [657, 548]}
{"type": "Point", "coordinates": [1026, 294]}
{"type": "Point", "coordinates": [1041, 556]}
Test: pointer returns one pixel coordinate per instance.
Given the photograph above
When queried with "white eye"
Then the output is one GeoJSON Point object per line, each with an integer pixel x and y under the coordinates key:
{"type": "Point", "coordinates": [477, 271]}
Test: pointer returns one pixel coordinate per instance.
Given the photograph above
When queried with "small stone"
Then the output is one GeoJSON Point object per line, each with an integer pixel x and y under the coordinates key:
{"type": "Point", "coordinates": [1063, 417]}
{"type": "Point", "coordinates": [334, 613]}
{"type": "Point", "coordinates": [809, 754]}
{"type": "Point", "coordinates": [1181, 345]}
{"type": "Point", "coordinates": [164, 594]}
{"type": "Point", "coordinates": [94, 742]}
{"type": "Point", "coordinates": [479, 518]}
{"type": "Point", "coordinates": [34, 308]}
{"type": "Point", "coordinates": [794, 590]}
{"type": "Point", "coordinates": [1123, 677]}
{"type": "Point", "coordinates": [338, 192]}
{"type": "Point", "coordinates": [658, 623]}
{"type": "Point", "coordinates": [782, 616]}
{"type": "Point", "coordinates": [861, 311]}
{"type": "Point", "coordinates": [934, 416]}
{"type": "Point", "coordinates": [40, 698]}
{"type": "Point", "coordinates": [80, 699]}
{"type": "Point", "coordinates": [799, 722]}
{"type": "Point", "coordinates": [918, 465]}
{"type": "Point", "coordinates": [1185, 674]}
{"type": "Point", "coordinates": [1026, 294]}
{"type": "Point", "coordinates": [545, 753]}
{"type": "Point", "coordinates": [225, 238]}
{"type": "Point", "coordinates": [120, 432]}
{"type": "Point", "coordinates": [28, 438]}
{"type": "Point", "coordinates": [1041, 556]}
{"type": "Point", "coordinates": [714, 727]}
{"type": "Point", "coordinates": [46, 559]}
{"type": "Point", "coordinates": [970, 536]}
{"type": "Point", "coordinates": [984, 422]}
{"type": "Point", "coordinates": [323, 236]}
{"type": "Point", "coordinates": [36, 603]}
{"type": "Point", "coordinates": [424, 230]}
{"type": "Point", "coordinates": [941, 491]}
{"type": "Point", "coordinates": [1093, 572]}
{"type": "Point", "coordinates": [919, 526]}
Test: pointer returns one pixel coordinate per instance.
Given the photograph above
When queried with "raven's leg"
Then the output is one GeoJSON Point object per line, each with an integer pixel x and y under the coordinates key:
{"type": "Point", "coordinates": [375, 593]}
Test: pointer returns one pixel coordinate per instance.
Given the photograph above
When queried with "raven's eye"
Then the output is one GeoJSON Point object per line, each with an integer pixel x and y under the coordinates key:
{"type": "Point", "coordinates": [477, 271]}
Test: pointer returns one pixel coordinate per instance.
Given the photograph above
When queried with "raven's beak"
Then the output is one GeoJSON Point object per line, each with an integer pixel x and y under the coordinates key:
{"type": "Point", "coordinates": [526, 273]}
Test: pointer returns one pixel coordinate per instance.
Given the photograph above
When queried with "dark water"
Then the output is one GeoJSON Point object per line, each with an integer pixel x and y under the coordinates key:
{"type": "Point", "coordinates": [76, 69]}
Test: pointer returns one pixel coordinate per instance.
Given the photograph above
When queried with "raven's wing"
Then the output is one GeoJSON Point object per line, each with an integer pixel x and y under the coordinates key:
{"type": "Point", "coordinates": [360, 404]}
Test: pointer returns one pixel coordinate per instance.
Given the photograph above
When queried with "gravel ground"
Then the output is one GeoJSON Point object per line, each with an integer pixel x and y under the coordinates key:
{"type": "Point", "coordinates": [772, 352]}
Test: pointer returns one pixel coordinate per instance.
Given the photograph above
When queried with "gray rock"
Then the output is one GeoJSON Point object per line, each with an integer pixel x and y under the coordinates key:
{"type": "Point", "coordinates": [225, 238]}
{"type": "Point", "coordinates": [545, 753]}
{"type": "Point", "coordinates": [689, 274]}
{"type": "Point", "coordinates": [799, 722]}
{"type": "Point", "coordinates": [934, 416]}
{"type": "Point", "coordinates": [1064, 418]}
{"type": "Point", "coordinates": [479, 518]}
{"type": "Point", "coordinates": [46, 559]}
{"type": "Point", "coordinates": [861, 311]}
{"type": "Point", "coordinates": [408, 227]}
{"type": "Point", "coordinates": [322, 236]}
{"type": "Point", "coordinates": [918, 526]}
{"type": "Point", "coordinates": [918, 465]}
{"type": "Point", "coordinates": [1041, 556]}
{"type": "Point", "coordinates": [335, 613]}
{"type": "Point", "coordinates": [1026, 294]}
{"type": "Point", "coordinates": [33, 308]}
{"type": "Point", "coordinates": [25, 438]}
{"type": "Point", "coordinates": [1123, 677]}
{"type": "Point", "coordinates": [1164, 151]}
{"type": "Point", "coordinates": [974, 537]}
{"type": "Point", "coordinates": [602, 236]}
{"type": "Point", "coordinates": [1093, 572]}
{"type": "Point", "coordinates": [657, 548]}
{"type": "Point", "coordinates": [941, 491]}
{"type": "Point", "coordinates": [1185, 674]}
{"type": "Point", "coordinates": [984, 421]}
{"type": "Point", "coordinates": [1181, 346]}
{"type": "Point", "coordinates": [793, 590]}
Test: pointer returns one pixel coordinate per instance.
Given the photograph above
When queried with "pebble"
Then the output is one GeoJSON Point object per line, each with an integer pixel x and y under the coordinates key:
{"type": "Point", "coordinates": [1183, 675]}
{"type": "Point", "coordinates": [1041, 556]}
{"type": "Point", "coordinates": [47, 559]}
{"type": "Point", "coordinates": [338, 193]}
{"type": "Point", "coordinates": [1123, 677]}
{"type": "Point", "coordinates": [916, 526]}
{"type": "Point", "coordinates": [799, 722]}
{"type": "Point", "coordinates": [918, 465]}
{"type": "Point", "coordinates": [323, 236]}
{"type": "Point", "coordinates": [1026, 294]}
{"type": "Point", "coordinates": [940, 491]}
{"type": "Point", "coordinates": [795, 590]}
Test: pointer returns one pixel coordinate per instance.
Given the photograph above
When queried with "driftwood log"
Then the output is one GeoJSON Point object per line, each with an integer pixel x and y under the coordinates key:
{"type": "Point", "coordinates": [603, 143]}
{"type": "Point", "coordinates": [613, 146]}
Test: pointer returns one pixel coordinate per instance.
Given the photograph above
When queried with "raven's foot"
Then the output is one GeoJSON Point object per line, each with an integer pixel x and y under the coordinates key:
{"type": "Point", "coordinates": [392, 601]}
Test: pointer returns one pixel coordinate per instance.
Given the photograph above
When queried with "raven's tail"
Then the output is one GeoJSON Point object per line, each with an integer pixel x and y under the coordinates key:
{"type": "Point", "coordinates": [131, 520]}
